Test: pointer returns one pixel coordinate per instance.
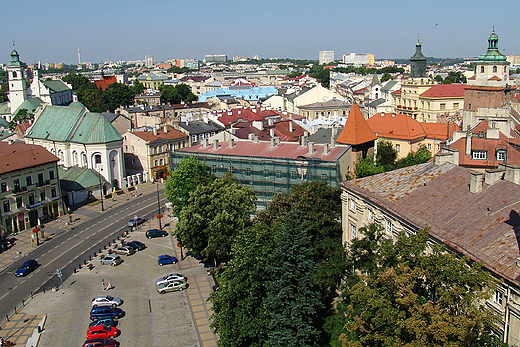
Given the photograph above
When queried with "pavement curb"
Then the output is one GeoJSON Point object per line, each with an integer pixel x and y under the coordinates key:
{"type": "Point", "coordinates": [35, 337]}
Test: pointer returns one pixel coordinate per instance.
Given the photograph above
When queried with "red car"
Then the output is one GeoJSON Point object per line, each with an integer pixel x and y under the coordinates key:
{"type": "Point", "coordinates": [101, 343]}
{"type": "Point", "coordinates": [102, 332]}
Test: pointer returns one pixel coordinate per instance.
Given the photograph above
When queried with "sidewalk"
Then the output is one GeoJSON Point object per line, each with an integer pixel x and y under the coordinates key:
{"type": "Point", "coordinates": [22, 327]}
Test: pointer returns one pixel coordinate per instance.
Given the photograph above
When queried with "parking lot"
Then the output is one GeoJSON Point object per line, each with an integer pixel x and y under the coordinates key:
{"type": "Point", "coordinates": [151, 319]}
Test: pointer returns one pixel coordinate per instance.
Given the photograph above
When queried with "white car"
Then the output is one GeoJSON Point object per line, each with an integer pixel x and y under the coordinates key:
{"type": "Point", "coordinates": [171, 286]}
{"type": "Point", "coordinates": [106, 300]}
{"type": "Point", "coordinates": [171, 277]}
{"type": "Point", "coordinates": [111, 260]}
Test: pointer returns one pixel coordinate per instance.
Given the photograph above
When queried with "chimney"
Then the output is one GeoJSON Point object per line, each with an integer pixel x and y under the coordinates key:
{"type": "Point", "coordinates": [304, 140]}
{"type": "Point", "coordinates": [273, 141]}
{"type": "Point", "coordinates": [332, 142]}
{"type": "Point", "coordinates": [10, 141]}
{"type": "Point", "coordinates": [258, 124]}
{"type": "Point", "coordinates": [255, 139]}
{"type": "Point", "coordinates": [314, 128]}
{"type": "Point", "coordinates": [251, 136]}
{"type": "Point", "coordinates": [165, 128]}
{"type": "Point", "coordinates": [493, 175]}
{"type": "Point", "coordinates": [493, 134]}
{"type": "Point", "coordinates": [205, 143]}
{"type": "Point", "coordinates": [512, 172]}
{"type": "Point", "coordinates": [468, 142]}
{"type": "Point", "coordinates": [271, 132]}
{"type": "Point", "coordinates": [305, 133]}
{"type": "Point", "coordinates": [155, 131]}
{"type": "Point", "coordinates": [475, 182]}
{"type": "Point", "coordinates": [311, 147]}
{"type": "Point", "coordinates": [325, 148]}
{"type": "Point", "coordinates": [270, 121]}
{"type": "Point", "coordinates": [239, 112]}
{"type": "Point", "coordinates": [187, 123]}
{"type": "Point", "coordinates": [215, 144]}
{"type": "Point", "coordinates": [233, 131]}
{"type": "Point", "coordinates": [291, 129]}
{"type": "Point", "coordinates": [231, 142]}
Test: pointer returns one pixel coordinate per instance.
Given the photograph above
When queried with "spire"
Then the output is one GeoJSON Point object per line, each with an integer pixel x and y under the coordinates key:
{"type": "Point", "coordinates": [375, 81]}
{"type": "Point", "coordinates": [492, 54]}
{"type": "Point", "coordinates": [15, 58]}
{"type": "Point", "coordinates": [356, 130]}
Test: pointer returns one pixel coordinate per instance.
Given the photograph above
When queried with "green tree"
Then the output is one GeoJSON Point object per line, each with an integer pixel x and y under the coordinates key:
{"type": "Point", "coordinates": [4, 86]}
{"type": "Point", "coordinates": [182, 182]}
{"type": "Point", "coordinates": [321, 74]}
{"type": "Point", "coordinates": [137, 88]}
{"type": "Point", "coordinates": [213, 216]}
{"type": "Point", "coordinates": [386, 77]}
{"type": "Point", "coordinates": [455, 77]}
{"type": "Point", "coordinates": [406, 293]}
{"type": "Point", "coordinates": [366, 167]}
{"type": "Point", "coordinates": [77, 80]}
{"type": "Point", "coordinates": [240, 317]}
{"type": "Point", "coordinates": [22, 116]}
{"type": "Point", "coordinates": [413, 158]}
{"type": "Point", "coordinates": [293, 297]}
{"type": "Point", "coordinates": [92, 98]}
{"type": "Point", "coordinates": [439, 79]}
{"type": "Point", "coordinates": [117, 94]}
{"type": "Point", "coordinates": [174, 95]}
{"type": "Point", "coordinates": [176, 69]}
{"type": "Point", "coordinates": [386, 155]}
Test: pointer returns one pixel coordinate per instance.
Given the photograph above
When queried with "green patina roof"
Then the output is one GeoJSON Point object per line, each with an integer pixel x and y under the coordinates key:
{"type": "Point", "coordinates": [389, 85]}
{"type": "Point", "coordinates": [4, 108]}
{"type": "Point", "coordinates": [30, 104]}
{"type": "Point", "coordinates": [95, 128]}
{"type": "Point", "coordinates": [15, 58]}
{"type": "Point", "coordinates": [56, 86]}
{"type": "Point", "coordinates": [76, 104]}
{"type": "Point", "coordinates": [77, 178]}
{"type": "Point", "coordinates": [73, 124]}
{"type": "Point", "coordinates": [375, 81]}
{"type": "Point", "coordinates": [3, 123]}
{"type": "Point", "coordinates": [492, 54]}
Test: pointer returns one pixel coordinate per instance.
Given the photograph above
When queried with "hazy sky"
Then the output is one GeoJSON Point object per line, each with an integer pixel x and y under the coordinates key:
{"type": "Point", "coordinates": [110, 30]}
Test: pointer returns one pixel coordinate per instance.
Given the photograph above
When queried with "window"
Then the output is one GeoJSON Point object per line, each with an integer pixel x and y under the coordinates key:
{"type": "Point", "coordinates": [278, 174]}
{"type": "Point", "coordinates": [28, 180]}
{"type": "Point", "coordinates": [51, 174]}
{"type": "Point", "coordinates": [161, 162]}
{"type": "Point", "coordinates": [126, 148]}
{"type": "Point", "coordinates": [155, 151]}
{"type": "Point", "coordinates": [443, 106]}
{"type": "Point", "coordinates": [388, 226]}
{"type": "Point", "coordinates": [42, 195]}
{"type": "Point", "coordinates": [53, 192]}
{"type": "Point", "coordinates": [3, 187]}
{"type": "Point", "coordinates": [97, 159]}
{"type": "Point", "coordinates": [455, 105]}
{"type": "Point", "coordinates": [501, 155]}
{"type": "Point", "coordinates": [479, 155]}
{"type": "Point", "coordinates": [494, 69]}
{"type": "Point", "coordinates": [397, 148]}
{"type": "Point", "coordinates": [156, 163]}
{"type": "Point", "coordinates": [133, 161]}
{"type": "Point", "coordinates": [352, 204]}
{"type": "Point", "coordinates": [40, 179]}
{"type": "Point", "coordinates": [481, 69]}
{"type": "Point", "coordinates": [429, 146]}
{"type": "Point", "coordinates": [248, 171]}
{"type": "Point", "coordinates": [193, 138]}
{"type": "Point", "coordinates": [266, 173]}
{"type": "Point", "coordinates": [438, 147]}
{"type": "Point", "coordinates": [133, 149]}
{"type": "Point", "coordinates": [7, 206]}
{"type": "Point", "coordinates": [19, 202]}
{"type": "Point", "coordinates": [498, 297]}
{"type": "Point", "coordinates": [370, 215]}
{"type": "Point", "coordinates": [352, 231]}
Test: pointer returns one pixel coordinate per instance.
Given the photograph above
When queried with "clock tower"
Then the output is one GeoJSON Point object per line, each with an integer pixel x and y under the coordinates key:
{"type": "Point", "coordinates": [17, 84]}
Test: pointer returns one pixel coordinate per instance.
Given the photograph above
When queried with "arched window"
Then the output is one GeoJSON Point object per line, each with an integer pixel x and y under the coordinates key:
{"type": "Point", "coordinates": [481, 69]}
{"type": "Point", "coordinates": [494, 69]}
{"type": "Point", "coordinates": [14, 74]}
{"type": "Point", "coordinates": [83, 159]}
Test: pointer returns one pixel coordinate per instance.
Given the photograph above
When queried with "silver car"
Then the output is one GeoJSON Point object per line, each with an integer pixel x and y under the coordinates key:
{"type": "Point", "coordinates": [171, 286]}
{"type": "Point", "coordinates": [111, 260]}
{"type": "Point", "coordinates": [171, 277]}
{"type": "Point", "coordinates": [106, 300]}
{"type": "Point", "coordinates": [124, 250]}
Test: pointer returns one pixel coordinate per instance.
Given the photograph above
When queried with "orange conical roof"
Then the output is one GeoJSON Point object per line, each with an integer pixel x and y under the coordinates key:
{"type": "Point", "coordinates": [356, 130]}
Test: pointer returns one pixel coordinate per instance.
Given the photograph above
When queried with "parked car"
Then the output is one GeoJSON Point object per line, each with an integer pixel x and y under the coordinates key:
{"type": "Point", "coordinates": [136, 221]}
{"type": "Point", "coordinates": [156, 233]}
{"type": "Point", "coordinates": [124, 250]}
{"type": "Point", "coordinates": [138, 246]}
{"type": "Point", "coordinates": [106, 300]}
{"type": "Point", "coordinates": [104, 320]}
{"type": "Point", "coordinates": [111, 260]}
{"type": "Point", "coordinates": [171, 277]}
{"type": "Point", "coordinates": [171, 286]}
{"type": "Point", "coordinates": [102, 332]}
{"type": "Point", "coordinates": [100, 311]}
{"type": "Point", "coordinates": [100, 343]}
{"type": "Point", "coordinates": [26, 268]}
{"type": "Point", "coordinates": [166, 260]}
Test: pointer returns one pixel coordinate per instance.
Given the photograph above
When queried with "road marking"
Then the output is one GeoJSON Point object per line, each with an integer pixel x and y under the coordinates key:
{"type": "Point", "coordinates": [3, 296]}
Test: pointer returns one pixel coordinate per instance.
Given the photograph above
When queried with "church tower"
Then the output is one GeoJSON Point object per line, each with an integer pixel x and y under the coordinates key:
{"type": "Point", "coordinates": [490, 85]}
{"type": "Point", "coordinates": [16, 78]}
{"type": "Point", "coordinates": [418, 63]}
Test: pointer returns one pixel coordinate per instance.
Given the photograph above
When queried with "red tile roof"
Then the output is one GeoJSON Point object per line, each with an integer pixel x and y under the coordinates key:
{"type": "Point", "coordinates": [396, 126]}
{"type": "Point", "coordinates": [397, 92]}
{"type": "Point", "coordinates": [438, 131]}
{"type": "Point", "coordinates": [285, 150]}
{"type": "Point", "coordinates": [105, 82]}
{"type": "Point", "coordinates": [356, 130]}
{"type": "Point", "coordinates": [228, 117]}
{"type": "Point", "coordinates": [17, 156]}
{"type": "Point", "coordinates": [281, 129]}
{"type": "Point", "coordinates": [445, 91]}
{"type": "Point", "coordinates": [494, 78]}
{"type": "Point", "coordinates": [172, 134]}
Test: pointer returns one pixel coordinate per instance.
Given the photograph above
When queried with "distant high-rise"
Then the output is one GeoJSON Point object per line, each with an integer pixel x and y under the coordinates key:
{"type": "Point", "coordinates": [358, 59]}
{"type": "Point", "coordinates": [326, 57]}
{"type": "Point", "coordinates": [215, 58]}
{"type": "Point", "coordinates": [149, 60]}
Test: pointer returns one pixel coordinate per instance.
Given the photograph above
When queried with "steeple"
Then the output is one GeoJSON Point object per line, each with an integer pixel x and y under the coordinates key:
{"type": "Point", "coordinates": [15, 58]}
{"type": "Point", "coordinates": [418, 62]}
{"type": "Point", "coordinates": [492, 54]}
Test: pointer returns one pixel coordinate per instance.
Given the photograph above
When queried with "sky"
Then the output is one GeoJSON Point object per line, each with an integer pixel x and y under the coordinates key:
{"type": "Point", "coordinates": [112, 30]}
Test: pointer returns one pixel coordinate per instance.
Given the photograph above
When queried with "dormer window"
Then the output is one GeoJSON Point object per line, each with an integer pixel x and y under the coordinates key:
{"type": "Point", "coordinates": [479, 155]}
{"type": "Point", "coordinates": [501, 154]}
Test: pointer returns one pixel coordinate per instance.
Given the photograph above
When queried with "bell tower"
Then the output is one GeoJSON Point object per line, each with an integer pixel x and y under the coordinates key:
{"type": "Point", "coordinates": [16, 78]}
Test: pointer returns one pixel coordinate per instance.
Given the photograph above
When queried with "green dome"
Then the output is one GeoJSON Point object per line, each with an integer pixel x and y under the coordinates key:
{"type": "Point", "coordinates": [15, 58]}
{"type": "Point", "coordinates": [492, 54]}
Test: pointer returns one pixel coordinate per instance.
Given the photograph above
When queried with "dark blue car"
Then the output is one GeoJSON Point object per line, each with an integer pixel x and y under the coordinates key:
{"type": "Point", "coordinates": [166, 259]}
{"type": "Point", "coordinates": [101, 311]}
{"type": "Point", "coordinates": [26, 268]}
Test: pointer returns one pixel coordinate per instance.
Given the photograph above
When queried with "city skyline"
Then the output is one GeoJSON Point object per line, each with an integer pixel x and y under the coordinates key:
{"type": "Point", "coordinates": [129, 30]}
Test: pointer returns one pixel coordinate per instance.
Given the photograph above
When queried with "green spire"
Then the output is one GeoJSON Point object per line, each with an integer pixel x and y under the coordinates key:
{"type": "Point", "coordinates": [15, 58]}
{"type": "Point", "coordinates": [492, 54]}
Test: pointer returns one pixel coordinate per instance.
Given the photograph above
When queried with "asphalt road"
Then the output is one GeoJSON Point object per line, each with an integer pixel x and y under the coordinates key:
{"type": "Point", "coordinates": [69, 248]}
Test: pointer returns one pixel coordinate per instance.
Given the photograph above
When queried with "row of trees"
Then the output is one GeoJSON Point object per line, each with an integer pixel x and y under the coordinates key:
{"type": "Point", "coordinates": [386, 160]}
{"type": "Point", "coordinates": [288, 280]}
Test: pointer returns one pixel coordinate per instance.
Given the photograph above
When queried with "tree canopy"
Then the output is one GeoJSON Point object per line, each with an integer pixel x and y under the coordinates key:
{"type": "Point", "coordinates": [176, 94]}
{"type": "Point", "coordinates": [184, 180]}
{"type": "Point", "coordinates": [23, 115]}
{"type": "Point", "coordinates": [407, 293]}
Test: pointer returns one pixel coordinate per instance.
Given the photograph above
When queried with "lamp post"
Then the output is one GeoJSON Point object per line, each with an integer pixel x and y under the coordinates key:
{"type": "Point", "coordinates": [101, 192]}
{"type": "Point", "coordinates": [159, 215]}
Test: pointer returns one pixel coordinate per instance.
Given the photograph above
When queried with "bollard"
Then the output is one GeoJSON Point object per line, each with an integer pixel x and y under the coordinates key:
{"type": "Point", "coordinates": [89, 257]}
{"type": "Point", "coordinates": [105, 247]}
{"type": "Point", "coordinates": [7, 316]}
{"type": "Point", "coordinates": [31, 295]}
{"type": "Point", "coordinates": [85, 261]}
{"type": "Point", "coordinates": [113, 240]}
{"type": "Point", "coordinates": [79, 266]}
{"type": "Point", "coordinates": [95, 254]}
{"type": "Point", "coordinates": [23, 302]}
{"type": "Point", "coordinates": [118, 237]}
{"type": "Point", "coordinates": [99, 250]}
{"type": "Point", "coordinates": [74, 270]}
{"type": "Point", "coordinates": [39, 329]}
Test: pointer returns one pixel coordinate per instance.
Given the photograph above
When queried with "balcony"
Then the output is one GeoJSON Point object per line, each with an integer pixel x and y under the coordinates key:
{"type": "Point", "coordinates": [42, 184]}
{"type": "Point", "coordinates": [18, 190]}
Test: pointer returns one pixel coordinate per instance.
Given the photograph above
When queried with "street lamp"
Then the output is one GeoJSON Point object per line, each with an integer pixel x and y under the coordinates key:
{"type": "Point", "coordinates": [159, 215]}
{"type": "Point", "coordinates": [101, 191]}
